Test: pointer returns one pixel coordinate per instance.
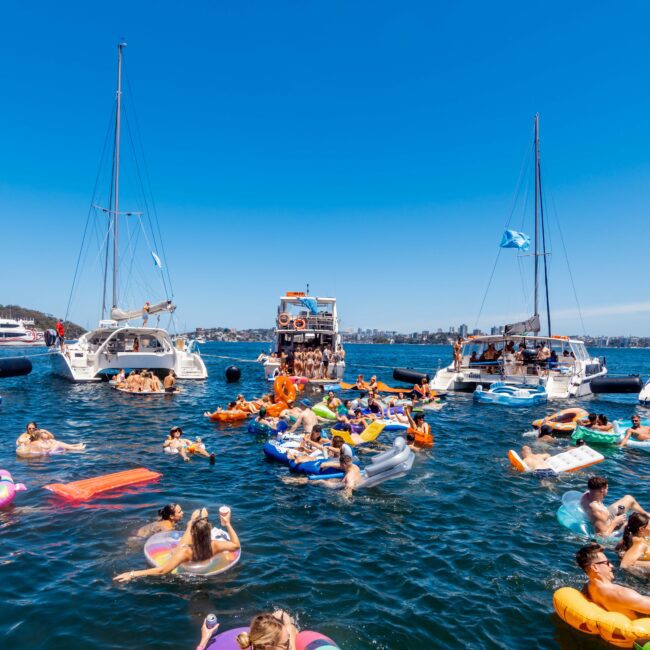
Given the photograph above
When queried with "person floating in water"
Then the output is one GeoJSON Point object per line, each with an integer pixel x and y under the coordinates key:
{"type": "Point", "coordinates": [176, 444]}
{"type": "Point", "coordinates": [637, 431]}
{"type": "Point", "coordinates": [168, 517]}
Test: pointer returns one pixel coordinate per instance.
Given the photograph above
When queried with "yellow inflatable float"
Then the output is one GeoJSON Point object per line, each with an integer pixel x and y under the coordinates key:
{"type": "Point", "coordinates": [619, 630]}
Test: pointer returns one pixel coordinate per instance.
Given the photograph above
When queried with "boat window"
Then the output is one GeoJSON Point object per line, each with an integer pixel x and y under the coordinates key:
{"type": "Point", "coordinates": [9, 324]}
{"type": "Point", "coordinates": [580, 351]}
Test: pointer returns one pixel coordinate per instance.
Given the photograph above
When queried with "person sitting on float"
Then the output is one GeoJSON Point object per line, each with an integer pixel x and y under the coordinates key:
{"type": "Point", "coordinates": [196, 545]}
{"type": "Point", "coordinates": [601, 588]}
{"type": "Point", "coordinates": [42, 442]}
{"type": "Point", "coordinates": [603, 424]}
{"type": "Point", "coordinates": [361, 385]}
{"type": "Point", "coordinates": [637, 431]}
{"type": "Point", "coordinates": [422, 389]}
{"type": "Point", "coordinates": [333, 402]}
{"type": "Point", "coordinates": [168, 517]}
{"type": "Point", "coordinates": [634, 548]}
{"type": "Point", "coordinates": [311, 447]}
{"type": "Point", "coordinates": [276, 631]}
{"type": "Point", "coordinates": [243, 405]}
{"type": "Point", "coordinates": [593, 421]}
{"type": "Point", "coordinates": [605, 519]}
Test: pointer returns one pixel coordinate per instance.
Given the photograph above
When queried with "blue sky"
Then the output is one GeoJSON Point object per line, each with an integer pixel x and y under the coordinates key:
{"type": "Point", "coordinates": [371, 149]}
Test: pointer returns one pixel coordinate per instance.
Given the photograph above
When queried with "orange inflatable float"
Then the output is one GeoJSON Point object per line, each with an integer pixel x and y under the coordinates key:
{"type": "Point", "coordinates": [421, 439]}
{"type": "Point", "coordinates": [284, 390]}
{"type": "Point", "coordinates": [88, 488]}
{"type": "Point", "coordinates": [563, 421]}
{"type": "Point", "coordinates": [233, 415]}
{"type": "Point", "coordinates": [275, 409]}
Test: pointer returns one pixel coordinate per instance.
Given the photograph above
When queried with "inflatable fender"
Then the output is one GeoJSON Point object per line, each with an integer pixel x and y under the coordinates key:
{"type": "Point", "coordinates": [15, 366]}
{"type": "Point", "coordinates": [409, 376]}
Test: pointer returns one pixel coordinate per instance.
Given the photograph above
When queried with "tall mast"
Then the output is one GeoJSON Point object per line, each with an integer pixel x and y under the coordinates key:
{"type": "Point", "coordinates": [536, 211]}
{"type": "Point", "coordinates": [116, 172]}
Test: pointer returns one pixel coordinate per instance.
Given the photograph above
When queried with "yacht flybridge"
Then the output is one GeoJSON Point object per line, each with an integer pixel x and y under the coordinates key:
{"type": "Point", "coordinates": [521, 355]}
{"type": "Point", "coordinates": [117, 344]}
{"type": "Point", "coordinates": [306, 323]}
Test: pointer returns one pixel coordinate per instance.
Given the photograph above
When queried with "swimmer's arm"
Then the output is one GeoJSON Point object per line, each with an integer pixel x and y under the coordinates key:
{"type": "Point", "coordinates": [233, 544]}
{"type": "Point", "coordinates": [632, 555]}
{"type": "Point", "coordinates": [630, 599]}
{"type": "Point", "coordinates": [628, 434]}
{"type": "Point", "coordinates": [602, 523]}
{"type": "Point", "coordinates": [175, 560]}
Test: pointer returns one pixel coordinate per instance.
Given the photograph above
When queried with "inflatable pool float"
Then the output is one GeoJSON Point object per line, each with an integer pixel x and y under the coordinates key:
{"type": "Point", "coordinates": [564, 421]}
{"type": "Point", "coordinates": [277, 449]}
{"type": "Point", "coordinates": [306, 640]}
{"type": "Point", "coordinates": [284, 390]}
{"type": "Point", "coordinates": [621, 426]}
{"type": "Point", "coordinates": [275, 410]}
{"type": "Point", "coordinates": [23, 451]}
{"type": "Point", "coordinates": [262, 429]}
{"type": "Point", "coordinates": [596, 437]}
{"type": "Point", "coordinates": [506, 394]}
{"type": "Point", "coordinates": [571, 515]}
{"type": "Point", "coordinates": [424, 440]}
{"type": "Point", "coordinates": [393, 425]}
{"type": "Point", "coordinates": [568, 461]}
{"type": "Point", "coordinates": [8, 488]}
{"type": "Point", "coordinates": [322, 411]}
{"type": "Point", "coordinates": [578, 612]}
{"type": "Point", "coordinates": [394, 463]}
{"type": "Point", "coordinates": [146, 392]}
{"type": "Point", "coordinates": [88, 488]}
{"type": "Point", "coordinates": [370, 433]}
{"type": "Point", "coordinates": [159, 548]}
{"type": "Point", "coordinates": [234, 415]}
{"type": "Point", "coordinates": [315, 467]}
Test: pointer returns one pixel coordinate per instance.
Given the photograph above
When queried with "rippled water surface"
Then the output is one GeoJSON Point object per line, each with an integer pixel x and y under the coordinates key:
{"type": "Point", "coordinates": [462, 552]}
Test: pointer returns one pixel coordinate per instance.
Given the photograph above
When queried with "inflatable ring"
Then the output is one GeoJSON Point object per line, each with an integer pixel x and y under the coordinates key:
{"type": "Point", "coordinates": [159, 548]}
{"type": "Point", "coordinates": [284, 389]}
{"type": "Point", "coordinates": [284, 319]}
{"type": "Point", "coordinates": [233, 415]}
{"type": "Point", "coordinates": [300, 323]}
{"type": "Point", "coordinates": [306, 640]}
{"type": "Point", "coordinates": [8, 488]}
{"type": "Point", "coordinates": [564, 421]}
{"type": "Point", "coordinates": [619, 630]}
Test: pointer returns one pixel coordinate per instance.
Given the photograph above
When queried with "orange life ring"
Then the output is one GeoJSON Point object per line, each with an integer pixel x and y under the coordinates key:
{"type": "Point", "coordinates": [284, 389]}
{"type": "Point", "coordinates": [284, 319]}
{"type": "Point", "coordinates": [299, 323]}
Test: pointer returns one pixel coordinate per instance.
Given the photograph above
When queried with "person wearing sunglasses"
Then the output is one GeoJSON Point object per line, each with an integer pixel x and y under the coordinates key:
{"type": "Point", "coordinates": [601, 588]}
{"type": "Point", "coordinates": [196, 545]}
{"type": "Point", "coordinates": [637, 431]}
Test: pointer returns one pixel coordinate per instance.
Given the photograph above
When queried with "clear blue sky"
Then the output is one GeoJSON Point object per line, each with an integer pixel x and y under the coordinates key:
{"type": "Point", "coordinates": [371, 149]}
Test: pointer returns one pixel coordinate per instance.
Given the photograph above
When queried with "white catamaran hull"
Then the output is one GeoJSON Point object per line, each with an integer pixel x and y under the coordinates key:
{"type": "Point", "coordinates": [88, 360]}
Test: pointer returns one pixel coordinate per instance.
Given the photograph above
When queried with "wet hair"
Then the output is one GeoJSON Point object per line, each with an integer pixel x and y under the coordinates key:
{"type": "Point", "coordinates": [597, 483]}
{"type": "Point", "coordinates": [265, 631]}
{"type": "Point", "coordinates": [587, 555]}
{"type": "Point", "coordinates": [337, 442]}
{"type": "Point", "coordinates": [318, 428]}
{"type": "Point", "coordinates": [418, 416]}
{"type": "Point", "coordinates": [167, 512]}
{"type": "Point", "coordinates": [636, 521]}
{"type": "Point", "coordinates": [592, 417]}
{"type": "Point", "coordinates": [201, 531]}
{"type": "Point", "coordinates": [315, 435]}
{"type": "Point", "coordinates": [345, 462]}
{"type": "Point", "coordinates": [603, 418]}
{"type": "Point", "coordinates": [545, 430]}
{"type": "Point", "coordinates": [29, 424]}
{"type": "Point", "coordinates": [231, 405]}
{"type": "Point", "coordinates": [410, 437]}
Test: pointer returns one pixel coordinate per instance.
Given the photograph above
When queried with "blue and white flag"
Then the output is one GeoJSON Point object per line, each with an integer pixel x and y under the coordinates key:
{"type": "Point", "coordinates": [311, 304]}
{"type": "Point", "coordinates": [514, 239]}
{"type": "Point", "coordinates": [156, 260]}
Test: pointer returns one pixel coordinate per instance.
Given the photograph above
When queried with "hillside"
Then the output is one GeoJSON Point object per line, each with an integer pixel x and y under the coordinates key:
{"type": "Point", "coordinates": [42, 321]}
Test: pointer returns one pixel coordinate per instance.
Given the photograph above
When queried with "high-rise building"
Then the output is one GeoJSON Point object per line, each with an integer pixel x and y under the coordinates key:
{"type": "Point", "coordinates": [476, 332]}
{"type": "Point", "coordinates": [462, 330]}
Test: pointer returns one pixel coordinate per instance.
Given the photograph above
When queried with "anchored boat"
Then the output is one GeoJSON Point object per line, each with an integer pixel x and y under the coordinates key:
{"type": "Point", "coordinates": [559, 364]}
{"type": "Point", "coordinates": [116, 343]}
{"type": "Point", "coordinates": [306, 323]}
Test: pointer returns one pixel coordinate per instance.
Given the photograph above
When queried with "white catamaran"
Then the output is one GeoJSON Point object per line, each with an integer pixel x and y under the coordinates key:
{"type": "Point", "coordinates": [116, 344]}
{"type": "Point", "coordinates": [521, 355]}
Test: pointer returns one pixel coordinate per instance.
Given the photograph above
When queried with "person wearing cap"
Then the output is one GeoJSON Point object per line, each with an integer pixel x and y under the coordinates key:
{"type": "Point", "coordinates": [145, 313]}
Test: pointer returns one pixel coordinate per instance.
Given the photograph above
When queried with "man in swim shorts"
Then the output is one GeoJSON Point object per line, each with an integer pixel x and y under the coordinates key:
{"type": "Point", "coordinates": [637, 431]}
{"type": "Point", "coordinates": [605, 519]}
{"type": "Point", "coordinates": [601, 588]}
{"type": "Point", "coordinates": [169, 382]}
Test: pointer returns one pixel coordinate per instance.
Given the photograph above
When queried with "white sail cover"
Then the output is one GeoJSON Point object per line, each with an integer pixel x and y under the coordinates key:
{"type": "Point", "coordinates": [121, 315]}
{"type": "Point", "coordinates": [531, 325]}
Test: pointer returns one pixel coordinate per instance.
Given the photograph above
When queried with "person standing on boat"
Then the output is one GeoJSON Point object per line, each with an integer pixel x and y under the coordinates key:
{"type": "Point", "coordinates": [145, 313]}
{"type": "Point", "coordinates": [458, 353]}
{"type": "Point", "coordinates": [326, 362]}
{"type": "Point", "coordinates": [60, 334]}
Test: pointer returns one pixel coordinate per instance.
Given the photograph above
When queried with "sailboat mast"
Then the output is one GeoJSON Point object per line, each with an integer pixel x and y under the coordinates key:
{"type": "Point", "coordinates": [536, 213]}
{"type": "Point", "coordinates": [116, 172]}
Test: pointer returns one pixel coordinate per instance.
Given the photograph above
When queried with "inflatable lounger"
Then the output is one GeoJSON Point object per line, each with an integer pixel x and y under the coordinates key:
{"type": "Point", "coordinates": [393, 463]}
{"type": "Point", "coordinates": [88, 488]}
{"type": "Point", "coordinates": [568, 461]}
{"type": "Point", "coordinates": [306, 640]}
{"type": "Point", "coordinates": [571, 515]}
{"type": "Point", "coordinates": [370, 433]}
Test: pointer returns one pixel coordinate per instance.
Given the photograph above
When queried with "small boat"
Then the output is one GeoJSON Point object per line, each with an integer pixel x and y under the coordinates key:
{"type": "Point", "coordinates": [564, 421]}
{"type": "Point", "coordinates": [20, 333]}
{"type": "Point", "coordinates": [510, 394]}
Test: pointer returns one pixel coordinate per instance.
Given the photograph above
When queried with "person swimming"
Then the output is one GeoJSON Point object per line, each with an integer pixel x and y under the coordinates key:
{"type": "Point", "coordinates": [169, 515]}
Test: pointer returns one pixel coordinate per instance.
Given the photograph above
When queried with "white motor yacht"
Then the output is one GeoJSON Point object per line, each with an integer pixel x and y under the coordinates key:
{"type": "Point", "coordinates": [306, 322]}
{"type": "Point", "coordinates": [116, 343]}
{"type": "Point", "coordinates": [521, 355]}
{"type": "Point", "coordinates": [19, 332]}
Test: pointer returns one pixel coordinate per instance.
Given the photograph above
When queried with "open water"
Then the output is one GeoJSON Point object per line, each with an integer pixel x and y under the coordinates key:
{"type": "Point", "coordinates": [463, 552]}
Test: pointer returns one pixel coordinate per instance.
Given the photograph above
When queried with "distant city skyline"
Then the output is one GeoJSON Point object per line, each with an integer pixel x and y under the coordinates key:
{"type": "Point", "coordinates": [373, 150]}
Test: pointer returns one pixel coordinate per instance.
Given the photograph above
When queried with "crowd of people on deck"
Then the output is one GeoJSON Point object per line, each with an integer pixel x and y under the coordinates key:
{"type": "Point", "coordinates": [145, 381]}
{"type": "Point", "coordinates": [311, 362]}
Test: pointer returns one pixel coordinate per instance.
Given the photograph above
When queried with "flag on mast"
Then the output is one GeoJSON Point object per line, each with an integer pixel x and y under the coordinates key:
{"type": "Point", "coordinates": [514, 239]}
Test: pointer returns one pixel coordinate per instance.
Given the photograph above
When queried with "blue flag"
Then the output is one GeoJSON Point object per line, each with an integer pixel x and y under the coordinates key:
{"type": "Point", "coordinates": [311, 304]}
{"type": "Point", "coordinates": [514, 239]}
